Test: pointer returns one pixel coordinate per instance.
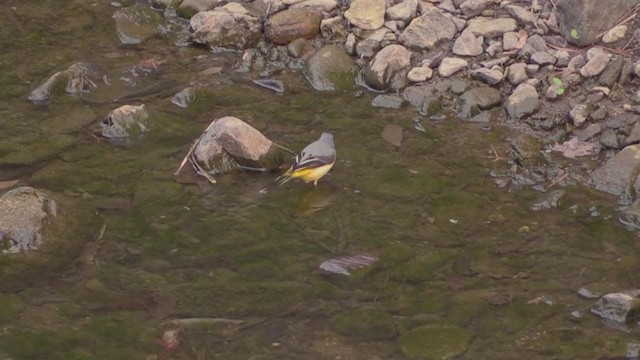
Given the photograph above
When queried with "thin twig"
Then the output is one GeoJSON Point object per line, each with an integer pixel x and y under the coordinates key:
{"type": "Point", "coordinates": [557, 180]}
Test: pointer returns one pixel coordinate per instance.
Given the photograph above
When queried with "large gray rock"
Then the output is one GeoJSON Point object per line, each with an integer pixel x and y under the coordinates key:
{"type": "Point", "coordinates": [586, 18]}
{"type": "Point", "coordinates": [619, 175]}
{"type": "Point", "coordinates": [291, 24]}
{"type": "Point", "coordinates": [388, 68]}
{"type": "Point", "coordinates": [330, 68]}
{"type": "Point", "coordinates": [226, 27]}
{"type": "Point", "coordinates": [428, 30]}
{"type": "Point", "coordinates": [136, 24]}
{"type": "Point", "coordinates": [621, 308]}
{"type": "Point", "coordinates": [366, 14]}
{"type": "Point", "coordinates": [473, 101]}
{"type": "Point", "coordinates": [523, 102]}
{"type": "Point", "coordinates": [229, 142]}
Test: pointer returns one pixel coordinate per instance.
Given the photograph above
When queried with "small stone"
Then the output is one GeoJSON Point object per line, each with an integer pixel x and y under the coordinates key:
{"type": "Point", "coordinates": [595, 66]}
{"type": "Point", "coordinates": [579, 114]}
{"type": "Point", "coordinates": [523, 102]}
{"type": "Point", "coordinates": [510, 40]}
{"type": "Point", "coordinates": [489, 76]}
{"type": "Point", "coordinates": [562, 58]}
{"type": "Point", "coordinates": [590, 131]}
{"type": "Point", "coordinates": [468, 44]}
{"type": "Point", "coordinates": [366, 14]}
{"type": "Point", "coordinates": [543, 58]}
{"type": "Point", "coordinates": [428, 30]}
{"type": "Point", "coordinates": [490, 28]}
{"type": "Point", "coordinates": [517, 73]}
{"type": "Point", "coordinates": [473, 101]}
{"type": "Point", "coordinates": [387, 101]}
{"type": "Point", "coordinates": [577, 62]}
{"type": "Point", "coordinates": [419, 74]}
{"type": "Point", "coordinates": [522, 15]}
{"type": "Point", "coordinates": [450, 66]}
{"type": "Point", "coordinates": [350, 44]}
{"type": "Point", "coordinates": [473, 8]}
{"type": "Point", "coordinates": [609, 139]}
{"type": "Point", "coordinates": [616, 33]}
{"type": "Point", "coordinates": [634, 136]}
{"type": "Point", "coordinates": [553, 91]}
{"type": "Point", "coordinates": [550, 200]}
{"type": "Point", "coordinates": [494, 48]}
{"type": "Point", "coordinates": [458, 86]}
{"type": "Point", "coordinates": [404, 11]}
{"type": "Point", "coordinates": [388, 68]}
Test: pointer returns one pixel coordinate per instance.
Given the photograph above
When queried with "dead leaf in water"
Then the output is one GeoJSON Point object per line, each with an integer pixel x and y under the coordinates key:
{"type": "Point", "coordinates": [574, 147]}
{"type": "Point", "coordinates": [342, 265]}
{"type": "Point", "coordinates": [392, 133]}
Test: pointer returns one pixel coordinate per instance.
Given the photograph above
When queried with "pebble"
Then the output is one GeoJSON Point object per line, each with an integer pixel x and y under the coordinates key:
{"type": "Point", "coordinates": [450, 66]}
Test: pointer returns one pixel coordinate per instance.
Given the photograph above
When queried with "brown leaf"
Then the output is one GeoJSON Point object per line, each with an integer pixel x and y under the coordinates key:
{"type": "Point", "coordinates": [574, 147]}
{"type": "Point", "coordinates": [392, 133]}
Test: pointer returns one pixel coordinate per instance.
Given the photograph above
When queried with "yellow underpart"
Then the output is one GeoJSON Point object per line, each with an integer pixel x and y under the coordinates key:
{"type": "Point", "coordinates": [312, 174]}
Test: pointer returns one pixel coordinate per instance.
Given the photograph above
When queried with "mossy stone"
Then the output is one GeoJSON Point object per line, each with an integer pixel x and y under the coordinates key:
{"type": "Point", "coordinates": [368, 324]}
{"type": "Point", "coordinates": [435, 342]}
{"type": "Point", "coordinates": [421, 268]}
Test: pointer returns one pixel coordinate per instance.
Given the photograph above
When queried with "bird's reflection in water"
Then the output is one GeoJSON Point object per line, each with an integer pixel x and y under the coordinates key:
{"type": "Point", "coordinates": [313, 199]}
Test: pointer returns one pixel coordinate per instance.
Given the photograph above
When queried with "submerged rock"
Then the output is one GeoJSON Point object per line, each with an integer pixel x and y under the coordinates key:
{"type": "Point", "coordinates": [78, 78]}
{"type": "Point", "coordinates": [548, 201]}
{"type": "Point", "coordinates": [226, 27]}
{"type": "Point", "coordinates": [330, 68]}
{"type": "Point", "coordinates": [291, 24]}
{"type": "Point", "coordinates": [136, 24]}
{"type": "Point", "coordinates": [368, 324]}
{"type": "Point", "coordinates": [39, 234]}
{"type": "Point", "coordinates": [188, 8]}
{"type": "Point", "coordinates": [125, 121]}
{"type": "Point", "coordinates": [435, 341]}
{"type": "Point", "coordinates": [23, 214]}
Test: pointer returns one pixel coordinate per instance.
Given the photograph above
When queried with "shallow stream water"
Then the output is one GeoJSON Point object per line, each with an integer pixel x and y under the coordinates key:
{"type": "Point", "coordinates": [465, 269]}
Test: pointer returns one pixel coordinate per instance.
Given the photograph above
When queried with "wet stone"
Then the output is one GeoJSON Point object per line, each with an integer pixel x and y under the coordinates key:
{"type": "Point", "coordinates": [367, 324]}
{"type": "Point", "coordinates": [188, 8]}
{"type": "Point", "coordinates": [329, 69]}
{"type": "Point", "coordinates": [418, 95]}
{"type": "Point", "coordinates": [227, 27]}
{"type": "Point", "coordinates": [125, 121]}
{"type": "Point", "coordinates": [474, 100]}
{"type": "Point", "coordinates": [136, 24]}
{"type": "Point", "coordinates": [548, 201]}
{"type": "Point", "coordinates": [435, 341]}
{"type": "Point", "coordinates": [387, 101]}
{"type": "Point", "coordinates": [620, 308]}
{"type": "Point", "coordinates": [590, 131]}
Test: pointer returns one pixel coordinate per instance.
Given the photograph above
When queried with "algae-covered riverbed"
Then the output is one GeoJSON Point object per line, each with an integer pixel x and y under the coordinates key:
{"type": "Point", "coordinates": [466, 270]}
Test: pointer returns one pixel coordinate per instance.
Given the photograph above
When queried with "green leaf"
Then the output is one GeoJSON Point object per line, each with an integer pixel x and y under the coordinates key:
{"type": "Point", "coordinates": [574, 34]}
{"type": "Point", "coordinates": [557, 81]}
{"type": "Point", "coordinates": [560, 90]}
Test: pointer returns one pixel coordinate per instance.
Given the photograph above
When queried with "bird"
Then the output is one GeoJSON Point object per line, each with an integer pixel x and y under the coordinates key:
{"type": "Point", "coordinates": [314, 162]}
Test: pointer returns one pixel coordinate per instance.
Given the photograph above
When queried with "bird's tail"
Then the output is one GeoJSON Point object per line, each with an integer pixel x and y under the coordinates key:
{"type": "Point", "coordinates": [278, 181]}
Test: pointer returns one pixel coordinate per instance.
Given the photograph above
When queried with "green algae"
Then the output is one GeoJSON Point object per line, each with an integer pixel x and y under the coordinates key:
{"type": "Point", "coordinates": [368, 324]}
{"type": "Point", "coordinates": [435, 341]}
